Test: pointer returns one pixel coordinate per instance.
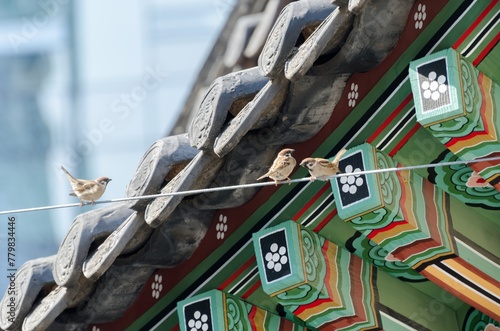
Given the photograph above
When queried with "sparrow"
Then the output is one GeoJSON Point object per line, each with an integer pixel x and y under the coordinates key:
{"type": "Point", "coordinates": [322, 168]}
{"type": "Point", "coordinates": [282, 166]}
{"type": "Point", "coordinates": [87, 190]}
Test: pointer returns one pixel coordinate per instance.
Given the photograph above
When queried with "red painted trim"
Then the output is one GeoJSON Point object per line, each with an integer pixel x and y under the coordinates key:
{"type": "Point", "coordinates": [324, 222]}
{"type": "Point", "coordinates": [486, 50]}
{"type": "Point", "coordinates": [474, 24]}
{"type": "Point", "coordinates": [389, 119]}
{"type": "Point", "coordinates": [389, 227]}
{"type": "Point", "coordinates": [238, 272]}
{"type": "Point", "coordinates": [310, 202]}
{"type": "Point", "coordinates": [251, 290]}
{"type": "Point", "coordinates": [311, 305]}
{"type": "Point", "coordinates": [404, 140]}
{"type": "Point", "coordinates": [251, 317]}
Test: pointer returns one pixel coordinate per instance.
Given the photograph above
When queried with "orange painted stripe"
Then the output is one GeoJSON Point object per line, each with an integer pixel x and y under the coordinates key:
{"type": "Point", "coordinates": [396, 230]}
{"type": "Point", "coordinates": [251, 290]}
{"type": "Point", "coordinates": [486, 50]}
{"type": "Point", "coordinates": [460, 290]}
{"type": "Point", "coordinates": [474, 24]}
{"type": "Point", "coordinates": [391, 117]}
{"type": "Point", "coordinates": [404, 140]}
{"type": "Point", "coordinates": [475, 275]}
{"type": "Point", "coordinates": [237, 273]}
{"type": "Point", "coordinates": [383, 231]}
{"type": "Point", "coordinates": [311, 202]}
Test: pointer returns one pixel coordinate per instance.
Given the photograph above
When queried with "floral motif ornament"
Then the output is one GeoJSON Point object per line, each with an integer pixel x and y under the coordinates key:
{"type": "Point", "coordinates": [202, 124]}
{"type": "Point", "coordinates": [476, 320]}
{"type": "Point", "coordinates": [379, 257]}
{"type": "Point", "coordinates": [276, 258]}
{"type": "Point", "coordinates": [221, 227]}
{"type": "Point", "coordinates": [198, 322]}
{"type": "Point", "coordinates": [420, 16]}
{"type": "Point", "coordinates": [235, 315]}
{"type": "Point", "coordinates": [391, 194]}
{"type": "Point", "coordinates": [463, 125]}
{"type": "Point", "coordinates": [315, 268]}
{"type": "Point", "coordinates": [453, 179]}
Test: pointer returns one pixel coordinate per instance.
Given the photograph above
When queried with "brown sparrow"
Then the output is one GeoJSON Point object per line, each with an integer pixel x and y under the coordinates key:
{"type": "Point", "coordinates": [87, 190]}
{"type": "Point", "coordinates": [282, 166]}
{"type": "Point", "coordinates": [322, 168]}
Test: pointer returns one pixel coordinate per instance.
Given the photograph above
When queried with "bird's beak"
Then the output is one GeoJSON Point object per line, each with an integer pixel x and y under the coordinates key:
{"type": "Point", "coordinates": [109, 180]}
{"type": "Point", "coordinates": [303, 164]}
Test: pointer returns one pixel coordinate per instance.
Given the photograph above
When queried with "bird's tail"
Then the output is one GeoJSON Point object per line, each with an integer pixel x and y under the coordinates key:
{"type": "Point", "coordinates": [67, 173]}
{"type": "Point", "coordinates": [339, 156]}
{"type": "Point", "coordinates": [262, 177]}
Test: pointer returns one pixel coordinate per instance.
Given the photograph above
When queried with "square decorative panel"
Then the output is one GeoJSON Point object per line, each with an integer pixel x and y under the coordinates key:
{"type": "Point", "coordinates": [275, 255]}
{"type": "Point", "coordinates": [352, 188]}
{"type": "Point", "coordinates": [433, 83]}
{"type": "Point", "coordinates": [197, 315]}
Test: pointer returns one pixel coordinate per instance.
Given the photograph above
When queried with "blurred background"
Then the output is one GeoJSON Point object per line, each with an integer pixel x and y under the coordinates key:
{"type": "Point", "coordinates": [88, 84]}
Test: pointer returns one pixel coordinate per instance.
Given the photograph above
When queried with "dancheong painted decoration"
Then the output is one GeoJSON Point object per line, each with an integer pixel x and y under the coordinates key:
{"type": "Point", "coordinates": [397, 250]}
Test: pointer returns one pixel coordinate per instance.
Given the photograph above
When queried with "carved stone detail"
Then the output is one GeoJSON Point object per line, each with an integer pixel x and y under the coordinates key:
{"type": "Point", "coordinates": [295, 18]}
{"type": "Point", "coordinates": [329, 35]}
{"type": "Point", "coordinates": [86, 228]}
{"type": "Point", "coordinates": [221, 95]}
{"type": "Point", "coordinates": [114, 245]}
{"type": "Point", "coordinates": [266, 104]}
{"type": "Point", "coordinates": [29, 281]}
{"type": "Point", "coordinates": [47, 310]}
{"type": "Point", "coordinates": [161, 158]}
{"type": "Point", "coordinates": [198, 174]}
{"type": "Point", "coordinates": [376, 30]}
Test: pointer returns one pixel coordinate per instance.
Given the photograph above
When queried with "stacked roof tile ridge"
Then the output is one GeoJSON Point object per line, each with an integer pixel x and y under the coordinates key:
{"type": "Point", "coordinates": [244, 118]}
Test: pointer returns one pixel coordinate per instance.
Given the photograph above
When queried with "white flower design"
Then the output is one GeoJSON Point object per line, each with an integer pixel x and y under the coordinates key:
{"type": "Point", "coordinates": [353, 95]}
{"type": "Point", "coordinates": [351, 183]}
{"type": "Point", "coordinates": [156, 286]}
{"type": "Point", "coordinates": [221, 227]}
{"type": "Point", "coordinates": [420, 16]}
{"type": "Point", "coordinates": [435, 86]}
{"type": "Point", "coordinates": [198, 322]}
{"type": "Point", "coordinates": [276, 258]}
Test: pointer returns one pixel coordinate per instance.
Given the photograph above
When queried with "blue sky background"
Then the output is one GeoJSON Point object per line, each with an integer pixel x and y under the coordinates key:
{"type": "Point", "coordinates": [112, 79]}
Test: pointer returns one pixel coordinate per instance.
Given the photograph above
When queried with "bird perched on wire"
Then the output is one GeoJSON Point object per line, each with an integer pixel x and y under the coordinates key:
{"type": "Point", "coordinates": [322, 168]}
{"type": "Point", "coordinates": [87, 190]}
{"type": "Point", "coordinates": [282, 166]}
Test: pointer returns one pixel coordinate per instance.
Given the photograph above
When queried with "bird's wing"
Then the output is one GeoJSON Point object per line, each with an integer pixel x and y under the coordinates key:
{"type": "Point", "coordinates": [82, 186]}
{"type": "Point", "coordinates": [282, 164]}
{"type": "Point", "coordinates": [338, 156]}
{"type": "Point", "coordinates": [278, 164]}
{"type": "Point", "coordinates": [325, 163]}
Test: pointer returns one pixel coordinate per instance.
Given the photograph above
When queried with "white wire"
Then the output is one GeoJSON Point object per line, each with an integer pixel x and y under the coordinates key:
{"type": "Point", "coordinates": [234, 187]}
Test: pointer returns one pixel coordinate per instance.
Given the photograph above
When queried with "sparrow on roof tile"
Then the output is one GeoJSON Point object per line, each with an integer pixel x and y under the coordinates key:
{"type": "Point", "coordinates": [87, 190]}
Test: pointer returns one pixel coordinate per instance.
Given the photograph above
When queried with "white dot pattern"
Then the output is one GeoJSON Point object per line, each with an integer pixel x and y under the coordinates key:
{"type": "Point", "coordinates": [419, 16]}
{"type": "Point", "coordinates": [351, 183]}
{"type": "Point", "coordinates": [198, 322]}
{"type": "Point", "coordinates": [221, 227]}
{"type": "Point", "coordinates": [434, 87]}
{"type": "Point", "coordinates": [156, 286]}
{"type": "Point", "coordinates": [353, 95]}
{"type": "Point", "coordinates": [276, 257]}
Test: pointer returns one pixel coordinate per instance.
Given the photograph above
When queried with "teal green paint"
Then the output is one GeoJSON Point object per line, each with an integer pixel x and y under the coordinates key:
{"type": "Point", "coordinates": [481, 262]}
{"type": "Point", "coordinates": [421, 308]}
